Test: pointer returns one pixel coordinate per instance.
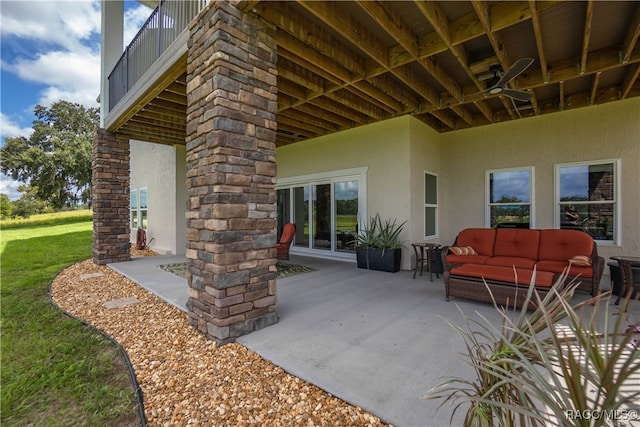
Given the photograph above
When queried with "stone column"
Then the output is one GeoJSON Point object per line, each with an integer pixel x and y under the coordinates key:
{"type": "Point", "coordinates": [110, 194]}
{"type": "Point", "coordinates": [231, 170]}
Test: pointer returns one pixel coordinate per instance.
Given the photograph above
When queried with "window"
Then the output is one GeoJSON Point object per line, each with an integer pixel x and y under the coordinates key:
{"type": "Point", "coordinates": [587, 199]}
{"type": "Point", "coordinates": [143, 208]}
{"type": "Point", "coordinates": [138, 208]}
{"type": "Point", "coordinates": [510, 198]}
{"type": "Point", "coordinates": [430, 205]}
{"type": "Point", "coordinates": [133, 209]}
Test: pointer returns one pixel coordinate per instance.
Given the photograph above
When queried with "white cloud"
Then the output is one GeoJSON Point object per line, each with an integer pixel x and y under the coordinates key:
{"type": "Point", "coordinates": [9, 129]}
{"type": "Point", "coordinates": [63, 23]}
{"type": "Point", "coordinates": [134, 18]}
{"type": "Point", "coordinates": [70, 75]}
{"type": "Point", "coordinates": [9, 187]}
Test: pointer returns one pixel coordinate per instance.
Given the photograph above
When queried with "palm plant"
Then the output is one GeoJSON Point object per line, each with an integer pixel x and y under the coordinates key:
{"type": "Point", "coordinates": [532, 372]}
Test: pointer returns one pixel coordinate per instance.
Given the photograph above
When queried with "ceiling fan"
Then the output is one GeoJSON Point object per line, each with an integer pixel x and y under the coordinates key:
{"type": "Point", "coordinates": [497, 84]}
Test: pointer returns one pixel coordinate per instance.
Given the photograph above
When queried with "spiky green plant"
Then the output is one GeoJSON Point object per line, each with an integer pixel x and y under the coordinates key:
{"type": "Point", "coordinates": [379, 233]}
{"type": "Point", "coordinates": [529, 372]}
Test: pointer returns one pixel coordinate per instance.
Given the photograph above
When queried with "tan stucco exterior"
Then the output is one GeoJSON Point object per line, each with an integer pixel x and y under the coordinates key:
{"type": "Point", "coordinates": [162, 170]}
{"type": "Point", "coordinates": [397, 152]}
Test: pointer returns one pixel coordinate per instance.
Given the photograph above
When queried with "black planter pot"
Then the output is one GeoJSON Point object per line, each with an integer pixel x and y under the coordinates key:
{"type": "Point", "coordinates": [379, 259]}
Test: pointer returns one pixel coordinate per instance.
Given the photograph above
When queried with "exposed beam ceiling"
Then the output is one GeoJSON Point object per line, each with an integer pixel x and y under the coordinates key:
{"type": "Point", "coordinates": [346, 64]}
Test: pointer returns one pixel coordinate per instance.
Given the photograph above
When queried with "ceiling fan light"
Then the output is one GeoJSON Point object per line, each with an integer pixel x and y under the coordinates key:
{"type": "Point", "coordinates": [495, 90]}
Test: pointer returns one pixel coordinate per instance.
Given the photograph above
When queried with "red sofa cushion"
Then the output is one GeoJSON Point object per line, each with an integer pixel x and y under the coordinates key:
{"type": "Point", "coordinates": [504, 274]}
{"type": "Point", "coordinates": [562, 245]}
{"type": "Point", "coordinates": [466, 259]}
{"type": "Point", "coordinates": [480, 239]}
{"type": "Point", "coordinates": [510, 261]}
{"type": "Point", "coordinates": [521, 243]}
{"type": "Point", "coordinates": [559, 266]}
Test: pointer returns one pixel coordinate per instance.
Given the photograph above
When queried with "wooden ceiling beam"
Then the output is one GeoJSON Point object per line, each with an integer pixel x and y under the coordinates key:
{"type": "Point", "coordinates": [290, 88]}
{"type": "Point", "coordinates": [537, 32]}
{"type": "Point", "coordinates": [631, 38]}
{"type": "Point", "coordinates": [391, 85]}
{"type": "Point", "coordinates": [311, 82]}
{"type": "Point", "coordinates": [444, 117]}
{"type": "Point", "coordinates": [330, 105]}
{"type": "Point", "coordinates": [393, 24]}
{"type": "Point", "coordinates": [348, 99]}
{"type": "Point", "coordinates": [344, 24]}
{"type": "Point", "coordinates": [175, 98]}
{"type": "Point", "coordinates": [594, 88]}
{"type": "Point", "coordinates": [314, 124]}
{"type": "Point", "coordinates": [339, 120]}
{"type": "Point", "coordinates": [293, 127]}
{"type": "Point", "coordinates": [482, 10]}
{"type": "Point", "coordinates": [142, 127]}
{"type": "Point", "coordinates": [378, 97]}
{"type": "Point", "coordinates": [161, 119]}
{"type": "Point", "coordinates": [434, 13]}
{"type": "Point", "coordinates": [629, 80]}
{"type": "Point", "coordinates": [586, 35]}
{"type": "Point", "coordinates": [290, 21]}
{"type": "Point", "coordinates": [161, 112]}
{"type": "Point", "coordinates": [312, 56]}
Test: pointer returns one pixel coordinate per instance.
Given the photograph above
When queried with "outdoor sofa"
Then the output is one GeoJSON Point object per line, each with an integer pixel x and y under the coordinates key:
{"type": "Point", "coordinates": [505, 259]}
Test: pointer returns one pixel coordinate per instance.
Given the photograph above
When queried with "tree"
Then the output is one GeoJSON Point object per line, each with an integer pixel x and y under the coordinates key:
{"type": "Point", "coordinates": [5, 206]}
{"type": "Point", "coordinates": [56, 159]}
{"type": "Point", "coordinates": [28, 204]}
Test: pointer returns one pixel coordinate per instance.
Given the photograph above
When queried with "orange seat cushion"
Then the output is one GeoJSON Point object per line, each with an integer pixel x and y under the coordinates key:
{"type": "Point", "coordinates": [511, 261]}
{"type": "Point", "coordinates": [505, 274]}
{"type": "Point", "coordinates": [466, 259]}
{"type": "Point", "coordinates": [559, 266]}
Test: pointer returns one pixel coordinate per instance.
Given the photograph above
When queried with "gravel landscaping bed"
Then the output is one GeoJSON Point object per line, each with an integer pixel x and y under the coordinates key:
{"type": "Point", "coordinates": [185, 378]}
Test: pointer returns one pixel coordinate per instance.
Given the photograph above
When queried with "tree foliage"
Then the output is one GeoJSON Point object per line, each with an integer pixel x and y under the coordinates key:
{"type": "Point", "coordinates": [55, 160]}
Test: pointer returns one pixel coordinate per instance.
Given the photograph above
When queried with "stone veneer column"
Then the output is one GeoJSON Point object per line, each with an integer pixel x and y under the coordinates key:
{"type": "Point", "coordinates": [110, 192]}
{"type": "Point", "coordinates": [231, 170]}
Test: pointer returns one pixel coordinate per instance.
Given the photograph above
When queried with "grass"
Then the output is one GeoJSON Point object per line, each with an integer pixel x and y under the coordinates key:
{"type": "Point", "coordinates": [55, 371]}
{"type": "Point", "coordinates": [58, 218]}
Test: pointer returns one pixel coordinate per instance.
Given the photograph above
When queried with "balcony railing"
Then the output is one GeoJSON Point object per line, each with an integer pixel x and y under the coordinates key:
{"type": "Point", "coordinates": [164, 25]}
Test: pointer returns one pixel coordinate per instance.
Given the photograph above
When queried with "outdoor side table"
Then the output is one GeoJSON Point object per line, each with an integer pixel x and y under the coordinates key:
{"type": "Point", "coordinates": [627, 275]}
{"type": "Point", "coordinates": [425, 254]}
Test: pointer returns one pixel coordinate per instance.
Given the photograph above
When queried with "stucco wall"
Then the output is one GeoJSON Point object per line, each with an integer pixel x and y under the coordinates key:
{"type": "Point", "coordinates": [608, 131]}
{"type": "Point", "coordinates": [155, 166]}
{"type": "Point", "coordinates": [383, 147]}
{"type": "Point", "coordinates": [425, 157]}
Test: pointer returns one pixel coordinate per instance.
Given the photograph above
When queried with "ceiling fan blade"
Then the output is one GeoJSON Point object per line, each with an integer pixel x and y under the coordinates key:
{"type": "Point", "coordinates": [518, 67]}
{"type": "Point", "coordinates": [518, 95]}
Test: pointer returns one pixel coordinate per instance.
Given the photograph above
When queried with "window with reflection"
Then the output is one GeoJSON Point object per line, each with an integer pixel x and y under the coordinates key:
{"type": "Point", "coordinates": [346, 214]}
{"type": "Point", "coordinates": [143, 208]}
{"type": "Point", "coordinates": [133, 208]}
{"type": "Point", "coordinates": [301, 215]}
{"type": "Point", "coordinates": [510, 198]}
{"type": "Point", "coordinates": [586, 198]}
{"type": "Point", "coordinates": [430, 205]}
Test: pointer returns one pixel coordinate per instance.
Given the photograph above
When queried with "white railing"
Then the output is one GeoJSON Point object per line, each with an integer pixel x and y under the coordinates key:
{"type": "Point", "coordinates": [164, 25]}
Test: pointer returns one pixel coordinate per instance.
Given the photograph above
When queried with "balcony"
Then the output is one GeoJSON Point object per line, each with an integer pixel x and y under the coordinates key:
{"type": "Point", "coordinates": [163, 28]}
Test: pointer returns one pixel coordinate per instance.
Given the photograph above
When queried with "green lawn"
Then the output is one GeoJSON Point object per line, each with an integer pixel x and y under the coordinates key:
{"type": "Point", "coordinates": [55, 371]}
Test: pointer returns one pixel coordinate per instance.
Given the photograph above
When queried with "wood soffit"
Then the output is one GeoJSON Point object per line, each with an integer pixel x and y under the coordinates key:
{"type": "Point", "coordinates": [346, 64]}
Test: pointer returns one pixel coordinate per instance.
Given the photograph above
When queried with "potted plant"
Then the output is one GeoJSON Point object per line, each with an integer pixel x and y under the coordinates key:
{"type": "Point", "coordinates": [378, 246]}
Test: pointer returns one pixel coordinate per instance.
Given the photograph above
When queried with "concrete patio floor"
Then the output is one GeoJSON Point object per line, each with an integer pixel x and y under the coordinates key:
{"type": "Point", "coordinates": [376, 340]}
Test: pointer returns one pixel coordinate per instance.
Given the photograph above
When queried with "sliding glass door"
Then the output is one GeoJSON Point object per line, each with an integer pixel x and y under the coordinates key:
{"type": "Point", "coordinates": [326, 214]}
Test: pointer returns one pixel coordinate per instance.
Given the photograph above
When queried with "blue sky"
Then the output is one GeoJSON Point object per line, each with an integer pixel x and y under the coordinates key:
{"type": "Point", "coordinates": [50, 51]}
